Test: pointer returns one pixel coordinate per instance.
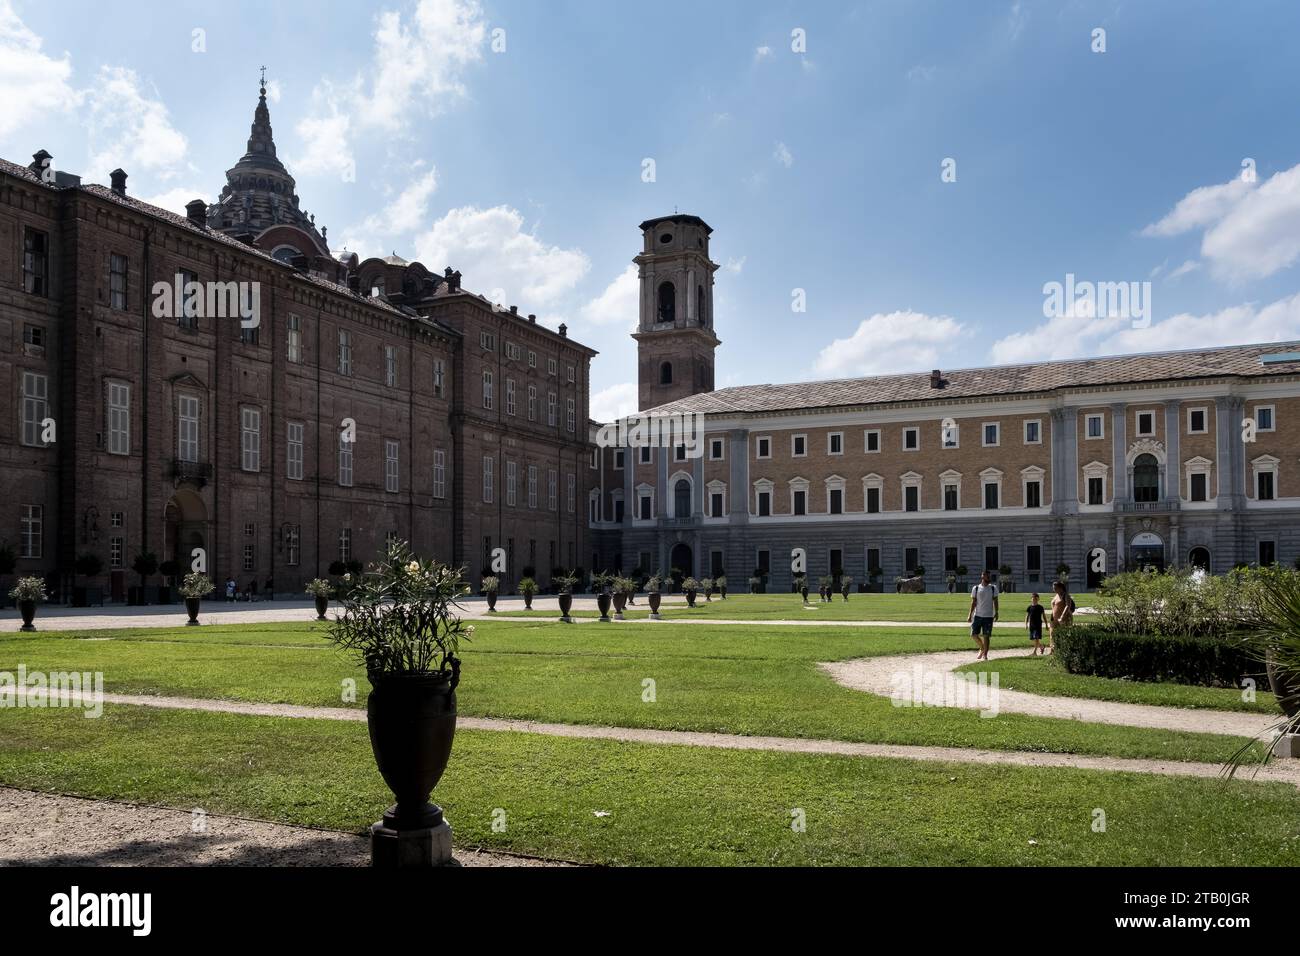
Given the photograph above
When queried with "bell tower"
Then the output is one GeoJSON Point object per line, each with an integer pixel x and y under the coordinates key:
{"type": "Point", "coordinates": [675, 339]}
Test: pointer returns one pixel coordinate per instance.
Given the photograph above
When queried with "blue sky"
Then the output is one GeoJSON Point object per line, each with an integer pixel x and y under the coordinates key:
{"type": "Point", "coordinates": [819, 170]}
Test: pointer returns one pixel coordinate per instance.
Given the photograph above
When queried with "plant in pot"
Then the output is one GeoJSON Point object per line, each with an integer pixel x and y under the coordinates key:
{"type": "Point", "coordinates": [951, 581]}
{"type": "Point", "coordinates": [754, 582]}
{"type": "Point", "coordinates": [707, 585]}
{"type": "Point", "coordinates": [1005, 582]}
{"type": "Point", "coordinates": [145, 565]}
{"type": "Point", "coordinates": [27, 592]}
{"type": "Point", "coordinates": [194, 589]}
{"type": "Point", "coordinates": [652, 586]}
{"type": "Point", "coordinates": [87, 565]}
{"type": "Point", "coordinates": [846, 582]}
{"type": "Point", "coordinates": [564, 583]}
{"type": "Point", "coordinates": [801, 586]}
{"type": "Point", "coordinates": [600, 582]}
{"type": "Point", "coordinates": [320, 590]}
{"type": "Point", "coordinates": [690, 587]}
{"type": "Point", "coordinates": [490, 585]}
{"type": "Point", "coordinates": [624, 588]}
{"type": "Point", "coordinates": [962, 571]}
{"type": "Point", "coordinates": [759, 576]}
{"type": "Point", "coordinates": [720, 582]}
{"type": "Point", "coordinates": [528, 587]}
{"type": "Point", "coordinates": [170, 570]}
{"type": "Point", "coordinates": [400, 622]}
{"type": "Point", "coordinates": [824, 586]}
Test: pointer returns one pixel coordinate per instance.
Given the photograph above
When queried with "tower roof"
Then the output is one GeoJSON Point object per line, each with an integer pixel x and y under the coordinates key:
{"type": "Point", "coordinates": [678, 217]}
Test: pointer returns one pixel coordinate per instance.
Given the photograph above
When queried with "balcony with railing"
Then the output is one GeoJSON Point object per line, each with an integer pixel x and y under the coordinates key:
{"type": "Point", "coordinates": [1163, 506]}
{"type": "Point", "coordinates": [195, 472]}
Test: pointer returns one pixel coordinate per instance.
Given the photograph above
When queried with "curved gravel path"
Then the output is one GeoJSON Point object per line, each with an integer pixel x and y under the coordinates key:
{"type": "Point", "coordinates": [875, 675]}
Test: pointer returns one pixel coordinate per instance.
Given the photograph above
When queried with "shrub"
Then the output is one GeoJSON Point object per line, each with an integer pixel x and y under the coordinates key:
{"type": "Point", "coordinates": [196, 585]}
{"type": "Point", "coordinates": [654, 583]}
{"type": "Point", "coordinates": [1182, 659]}
{"type": "Point", "coordinates": [28, 589]}
{"type": "Point", "coordinates": [490, 584]}
{"type": "Point", "coordinates": [1176, 603]}
{"type": "Point", "coordinates": [690, 584]}
{"type": "Point", "coordinates": [527, 585]}
{"type": "Point", "coordinates": [319, 588]}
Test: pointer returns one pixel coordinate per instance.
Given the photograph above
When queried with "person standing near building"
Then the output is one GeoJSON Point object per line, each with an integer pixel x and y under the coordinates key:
{"type": "Point", "coordinates": [983, 612]}
{"type": "Point", "coordinates": [230, 589]}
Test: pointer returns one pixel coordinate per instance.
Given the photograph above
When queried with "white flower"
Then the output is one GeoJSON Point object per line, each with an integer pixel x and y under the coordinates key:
{"type": "Point", "coordinates": [413, 567]}
{"type": "Point", "coordinates": [347, 577]}
{"type": "Point", "coordinates": [469, 630]}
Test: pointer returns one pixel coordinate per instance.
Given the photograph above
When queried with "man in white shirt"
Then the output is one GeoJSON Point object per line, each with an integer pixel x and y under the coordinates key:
{"type": "Point", "coordinates": [983, 612]}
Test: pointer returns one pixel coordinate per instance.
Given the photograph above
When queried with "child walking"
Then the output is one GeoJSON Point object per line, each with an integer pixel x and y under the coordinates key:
{"type": "Point", "coordinates": [1034, 621]}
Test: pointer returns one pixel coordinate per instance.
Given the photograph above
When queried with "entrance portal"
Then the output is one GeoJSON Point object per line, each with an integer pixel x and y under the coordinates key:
{"type": "Point", "coordinates": [1147, 551]}
{"type": "Point", "coordinates": [1096, 568]}
{"type": "Point", "coordinates": [185, 527]}
{"type": "Point", "coordinates": [681, 562]}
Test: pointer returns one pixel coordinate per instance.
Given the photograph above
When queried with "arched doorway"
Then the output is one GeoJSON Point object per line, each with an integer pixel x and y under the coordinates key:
{"type": "Point", "coordinates": [1147, 552]}
{"type": "Point", "coordinates": [1199, 558]}
{"type": "Point", "coordinates": [682, 562]}
{"type": "Point", "coordinates": [1096, 568]}
{"type": "Point", "coordinates": [185, 527]}
{"type": "Point", "coordinates": [1146, 478]}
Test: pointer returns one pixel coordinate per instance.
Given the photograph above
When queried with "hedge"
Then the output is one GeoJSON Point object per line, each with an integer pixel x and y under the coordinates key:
{"type": "Point", "coordinates": [1202, 661]}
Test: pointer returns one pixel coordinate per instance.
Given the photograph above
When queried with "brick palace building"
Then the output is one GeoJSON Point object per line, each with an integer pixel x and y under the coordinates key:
{"type": "Point", "coordinates": [1094, 463]}
{"type": "Point", "coordinates": [193, 431]}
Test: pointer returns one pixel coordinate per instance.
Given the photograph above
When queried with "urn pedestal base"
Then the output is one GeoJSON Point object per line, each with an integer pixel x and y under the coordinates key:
{"type": "Point", "coordinates": [427, 846]}
{"type": "Point", "coordinates": [1287, 745]}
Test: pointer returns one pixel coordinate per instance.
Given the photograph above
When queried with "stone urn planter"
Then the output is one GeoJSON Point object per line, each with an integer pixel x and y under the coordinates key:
{"type": "Point", "coordinates": [528, 601]}
{"type": "Point", "coordinates": [192, 609]}
{"type": "Point", "coordinates": [844, 592]}
{"type": "Point", "coordinates": [1286, 686]}
{"type": "Point", "coordinates": [322, 605]}
{"type": "Point", "coordinates": [690, 598]}
{"type": "Point", "coordinates": [566, 605]}
{"type": "Point", "coordinates": [492, 602]}
{"type": "Point", "coordinates": [603, 602]}
{"type": "Point", "coordinates": [412, 720]}
{"type": "Point", "coordinates": [654, 598]}
{"type": "Point", "coordinates": [722, 592]}
{"type": "Point", "coordinates": [803, 592]}
{"type": "Point", "coordinates": [28, 610]}
{"type": "Point", "coordinates": [620, 602]}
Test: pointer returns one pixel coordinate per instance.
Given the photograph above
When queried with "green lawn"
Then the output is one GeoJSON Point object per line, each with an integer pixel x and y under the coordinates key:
{"type": "Point", "coordinates": [667, 805]}
{"type": "Point", "coordinates": [724, 679]}
{"type": "Point", "coordinates": [1045, 675]}
{"type": "Point", "coordinates": [790, 607]}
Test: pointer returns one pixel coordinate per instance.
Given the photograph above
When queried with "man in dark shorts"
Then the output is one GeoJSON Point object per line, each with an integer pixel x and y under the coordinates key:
{"type": "Point", "coordinates": [1034, 615]}
{"type": "Point", "coordinates": [983, 612]}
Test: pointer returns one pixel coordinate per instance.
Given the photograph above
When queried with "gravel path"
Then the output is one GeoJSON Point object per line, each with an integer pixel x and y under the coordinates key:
{"type": "Point", "coordinates": [45, 829]}
{"type": "Point", "coordinates": [1284, 771]}
{"type": "Point", "coordinates": [876, 676]}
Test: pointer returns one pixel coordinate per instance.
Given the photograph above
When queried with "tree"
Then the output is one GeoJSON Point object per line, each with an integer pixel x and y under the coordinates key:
{"type": "Point", "coordinates": [145, 565]}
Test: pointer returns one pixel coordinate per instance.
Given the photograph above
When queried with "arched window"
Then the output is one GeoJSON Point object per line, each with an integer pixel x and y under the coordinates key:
{"type": "Point", "coordinates": [1146, 478]}
{"type": "Point", "coordinates": [699, 306]}
{"type": "Point", "coordinates": [666, 373]}
{"type": "Point", "coordinates": [682, 498]}
{"type": "Point", "coordinates": [667, 302]}
{"type": "Point", "coordinates": [1199, 558]}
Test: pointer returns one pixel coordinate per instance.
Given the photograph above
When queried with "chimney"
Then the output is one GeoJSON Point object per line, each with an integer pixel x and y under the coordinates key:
{"type": "Point", "coordinates": [564, 331]}
{"type": "Point", "coordinates": [532, 318]}
{"type": "Point", "coordinates": [40, 159]}
{"type": "Point", "coordinates": [118, 178]}
{"type": "Point", "coordinates": [354, 282]}
{"type": "Point", "coordinates": [514, 310]}
{"type": "Point", "coordinates": [196, 211]}
{"type": "Point", "coordinates": [936, 378]}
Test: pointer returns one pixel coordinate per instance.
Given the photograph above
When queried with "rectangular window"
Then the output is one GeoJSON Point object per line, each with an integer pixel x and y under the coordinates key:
{"type": "Point", "coordinates": [487, 341]}
{"type": "Point", "coordinates": [911, 559]}
{"type": "Point", "coordinates": [250, 529]}
{"type": "Point", "coordinates": [345, 461]}
{"type": "Point", "coordinates": [119, 418]}
{"type": "Point", "coordinates": [36, 262]}
{"type": "Point", "coordinates": [837, 501]}
{"type": "Point", "coordinates": [116, 519]}
{"type": "Point", "coordinates": [911, 498]}
{"type": "Point", "coordinates": [798, 446]}
{"type": "Point", "coordinates": [1196, 423]}
{"type": "Point", "coordinates": [116, 281]}
{"type": "Point", "coordinates": [1033, 432]}
{"type": "Point", "coordinates": [572, 413]}
{"type": "Point", "coordinates": [992, 434]}
{"type": "Point", "coordinates": [187, 430]}
{"type": "Point", "coordinates": [799, 503]}
{"type": "Point", "coordinates": [293, 545]}
{"type": "Point", "coordinates": [249, 336]}
{"type": "Point", "coordinates": [764, 504]}
{"type": "Point", "coordinates": [715, 504]}
{"type": "Point", "coordinates": [532, 486]}
{"type": "Point", "coordinates": [1033, 558]}
{"type": "Point", "coordinates": [1096, 491]}
{"type": "Point", "coordinates": [1265, 486]}
{"type": "Point", "coordinates": [293, 460]}
{"type": "Point", "coordinates": [390, 365]}
{"type": "Point", "coordinates": [1033, 494]}
{"type": "Point", "coordinates": [871, 440]}
{"type": "Point", "coordinates": [392, 481]}
{"type": "Point", "coordinates": [992, 558]}
{"type": "Point", "coordinates": [439, 377]}
{"type": "Point", "coordinates": [1146, 423]}
{"type": "Point", "coordinates": [552, 367]}
{"type": "Point", "coordinates": [250, 439]}
{"type": "Point", "coordinates": [950, 560]}
{"type": "Point", "coordinates": [488, 481]}
{"type": "Point", "coordinates": [552, 489]}
{"type": "Point", "coordinates": [510, 396]}
{"type": "Point", "coordinates": [1263, 418]}
{"type": "Point", "coordinates": [293, 340]}
{"type": "Point", "coordinates": [191, 300]}
{"type": "Point", "coordinates": [571, 498]}
{"type": "Point", "coordinates": [36, 391]}
{"type": "Point", "coordinates": [489, 393]}
{"type": "Point", "coordinates": [532, 403]}
{"type": "Point", "coordinates": [644, 503]}
{"type": "Point", "coordinates": [250, 557]}
{"type": "Point", "coordinates": [33, 339]}
{"type": "Point", "coordinates": [439, 473]}
{"type": "Point", "coordinates": [1095, 426]}
{"type": "Point", "coordinates": [32, 532]}
{"type": "Point", "coordinates": [345, 545]}
{"type": "Point", "coordinates": [1199, 486]}
{"type": "Point", "coordinates": [1267, 553]}
{"type": "Point", "coordinates": [618, 459]}
{"type": "Point", "coordinates": [949, 497]}
{"type": "Point", "coordinates": [345, 352]}
{"type": "Point", "coordinates": [991, 490]}
{"type": "Point", "coordinates": [552, 409]}
{"type": "Point", "coordinates": [532, 359]}
{"type": "Point", "coordinates": [873, 501]}
{"type": "Point", "coordinates": [645, 454]}
{"type": "Point", "coordinates": [715, 449]}
{"type": "Point", "coordinates": [763, 448]}
{"type": "Point", "coordinates": [512, 482]}
{"type": "Point", "coordinates": [116, 550]}
{"type": "Point", "coordinates": [911, 439]}
{"type": "Point", "coordinates": [835, 443]}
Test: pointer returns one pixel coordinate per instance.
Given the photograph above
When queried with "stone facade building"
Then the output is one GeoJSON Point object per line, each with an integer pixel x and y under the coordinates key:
{"type": "Point", "coordinates": [1098, 464]}
{"type": "Point", "coordinates": [223, 381]}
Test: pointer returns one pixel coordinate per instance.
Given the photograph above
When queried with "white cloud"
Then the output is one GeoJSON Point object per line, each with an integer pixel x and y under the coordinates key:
{"type": "Point", "coordinates": [1199, 208]}
{"type": "Point", "coordinates": [32, 84]}
{"type": "Point", "coordinates": [401, 217]}
{"type": "Point", "coordinates": [174, 199]}
{"type": "Point", "coordinates": [326, 135]}
{"type": "Point", "coordinates": [893, 342]}
{"type": "Point", "coordinates": [128, 126]}
{"type": "Point", "coordinates": [735, 266]}
{"type": "Point", "coordinates": [1191, 265]}
{"type": "Point", "coordinates": [921, 73]}
{"type": "Point", "coordinates": [273, 91]}
{"type": "Point", "coordinates": [762, 53]}
{"type": "Point", "coordinates": [619, 303]}
{"type": "Point", "coordinates": [1065, 338]}
{"type": "Point", "coordinates": [782, 155]}
{"type": "Point", "coordinates": [617, 401]}
{"type": "Point", "coordinates": [491, 250]}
